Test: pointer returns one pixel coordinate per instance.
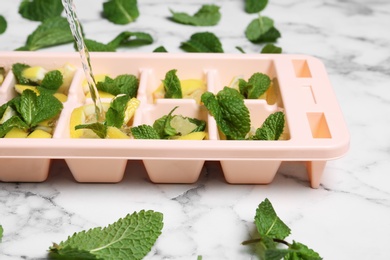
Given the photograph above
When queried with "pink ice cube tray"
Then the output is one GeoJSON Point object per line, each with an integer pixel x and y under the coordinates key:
{"type": "Point", "coordinates": [315, 129]}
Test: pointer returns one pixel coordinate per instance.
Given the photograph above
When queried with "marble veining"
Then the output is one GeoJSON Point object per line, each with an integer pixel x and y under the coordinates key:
{"type": "Point", "coordinates": [347, 217]}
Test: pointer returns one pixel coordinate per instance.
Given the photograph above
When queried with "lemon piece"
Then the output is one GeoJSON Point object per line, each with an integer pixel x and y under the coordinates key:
{"type": "Point", "coordinates": [115, 133]}
{"type": "Point", "coordinates": [84, 115]}
{"type": "Point", "coordinates": [67, 71]}
{"type": "Point", "coordinates": [38, 133]}
{"type": "Point", "coordinates": [193, 136]}
{"type": "Point", "coordinates": [193, 89]}
{"type": "Point", "coordinates": [131, 107]}
{"type": "Point", "coordinates": [61, 97]}
{"type": "Point", "coordinates": [8, 113]}
{"type": "Point", "coordinates": [20, 88]}
{"type": "Point", "coordinates": [182, 125]}
{"type": "Point", "coordinates": [35, 73]}
{"type": "Point", "coordinates": [159, 92]}
{"type": "Point", "coordinates": [1, 78]}
{"type": "Point", "coordinates": [16, 133]}
{"type": "Point", "coordinates": [102, 94]}
{"type": "Point", "coordinates": [234, 83]}
{"type": "Point", "coordinates": [271, 95]}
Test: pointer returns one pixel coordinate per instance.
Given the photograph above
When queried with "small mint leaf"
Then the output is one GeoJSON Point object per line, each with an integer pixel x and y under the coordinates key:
{"type": "Point", "coordinates": [17, 70]}
{"type": "Point", "coordinates": [28, 106]}
{"type": "Point", "coordinates": [258, 27]}
{"type": "Point", "coordinates": [95, 46]}
{"type": "Point", "coordinates": [207, 15]}
{"type": "Point", "coordinates": [52, 81]}
{"type": "Point", "coordinates": [160, 49]}
{"type": "Point", "coordinates": [98, 128]}
{"type": "Point", "coordinates": [268, 223]}
{"type": "Point", "coordinates": [257, 85]}
{"type": "Point", "coordinates": [272, 127]}
{"type": "Point", "coordinates": [3, 24]}
{"type": "Point", "coordinates": [14, 121]}
{"type": "Point", "coordinates": [47, 107]}
{"type": "Point", "coordinates": [172, 85]}
{"type": "Point", "coordinates": [39, 10]}
{"type": "Point", "coordinates": [116, 112]}
{"type": "Point", "coordinates": [163, 126]}
{"type": "Point", "coordinates": [121, 11]}
{"type": "Point", "coordinates": [300, 251]}
{"type": "Point", "coordinates": [144, 132]}
{"type": "Point", "coordinates": [1, 232]}
{"type": "Point", "coordinates": [255, 6]}
{"type": "Point", "coordinates": [205, 42]}
{"type": "Point", "coordinates": [271, 48]}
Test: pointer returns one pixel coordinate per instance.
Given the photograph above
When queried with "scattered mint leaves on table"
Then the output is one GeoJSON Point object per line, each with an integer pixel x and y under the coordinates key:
{"type": "Point", "coordinates": [261, 30]}
{"type": "Point", "coordinates": [40, 10]}
{"type": "Point", "coordinates": [271, 48]}
{"type": "Point", "coordinates": [203, 42]}
{"type": "Point", "coordinates": [160, 49]}
{"type": "Point", "coordinates": [52, 31]}
{"type": "Point", "coordinates": [207, 15]}
{"type": "Point", "coordinates": [3, 24]}
{"type": "Point", "coordinates": [129, 238]}
{"type": "Point", "coordinates": [255, 6]}
{"type": "Point", "coordinates": [121, 11]}
{"type": "Point", "coordinates": [273, 231]}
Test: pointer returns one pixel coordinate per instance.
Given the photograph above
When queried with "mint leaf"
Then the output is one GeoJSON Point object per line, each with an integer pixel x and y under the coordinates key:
{"type": "Point", "coordinates": [229, 111]}
{"type": "Point", "coordinates": [122, 84]}
{"type": "Point", "coordinates": [3, 24]}
{"type": "Point", "coordinates": [1, 232]}
{"type": "Point", "coordinates": [51, 82]}
{"type": "Point", "coordinates": [240, 49]}
{"type": "Point", "coordinates": [121, 11]}
{"type": "Point", "coordinates": [28, 106]}
{"type": "Point", "coordinates": [207, 15]}
{"type": "Point", "coordinates": [144, 132]}
{"type": "Point", "coordinates": [258, 27]}
{"type": "Point", "coordinates": [53, 31]}
{"type": "Point", "coordinates": [255, 6]}
{"type": "Point", "coordinates": [268, 223]}
{"type": "Point", "coordinates": [271, 48]}
{"type": "Point", "coordinates": [163, 126]}
{"type": "Point", "coordinates": [95, 46]}
{"type": "Point", "coordinates": [203, 42]}
{"type": "Point", "coordinates": [301, 251]}
{"type": "Point", "coordinates": [130, 238]}
{"type": "Point", "coordinates": [17, 70]}
{"type": "Point", "coordinates": [39, 10]}
{"type": "Point", "coordinates": [98, 128]}
{"type": "Point", "coordinates": [272, 127]}
{"type": "Point", "coordinates": [160, 49]}
{"type": "Point", "coordinates": [270, 36]}
{"type": "Point", "coordinates": [256, 86]}
{"type": "Point", "coordinates": [172, 85]}
{"type": "Point", "coordinates": [47, 107]}
{"type": "Point", "coordinates": [131, 39]}
{"type": "Point", "coordinates": [116, 112]}
{"type": "Point", "coordinates": [14, 121]}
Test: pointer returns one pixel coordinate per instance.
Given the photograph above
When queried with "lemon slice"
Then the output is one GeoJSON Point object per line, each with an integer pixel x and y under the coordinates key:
{"type": "Point", "coordinates": [193, 136]}
{"type": "Point", "coordinates": [8, 113]}
{"type": "Point", "coordinates": [35, 73]}
{"type": "Point", "coordinates": [1, 78]}
{"type": "Point", "coordinates": [131, 107]}
{"type": "Point", "coordinates": [102, 94]}
{"type": "Point", "coordinates": [182, 125]}
{"type": "Point", "coordinates": [234, 83]}
{"type": "Point", "coordinates": [98, 78]}
{"type": "Point", "coordinates": [38, 133]}
{"type": "Point", "coordinates": [20, 88]}
{"type": "Point", "coordinates": [16, 133]}
{"type": "Point", "coordinates": [61, 97]}
{"type": "Point", "coordinates": [67, 71]}
{"type": "Point", "coordinates": [84, 115]}
{"type": "Point", "coordinates": [115, 133]}
{"type": "Point", "coordinates": [193, 89]}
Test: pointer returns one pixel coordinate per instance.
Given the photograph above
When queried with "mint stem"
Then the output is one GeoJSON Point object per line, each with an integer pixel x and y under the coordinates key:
{"type": "Point", "coordinates": [256, 240]}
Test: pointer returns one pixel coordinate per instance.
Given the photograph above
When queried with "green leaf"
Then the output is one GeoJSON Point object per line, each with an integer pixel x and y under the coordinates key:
{"type": "Point", "coordinates": [160, 49]}
{"type": "Point", "coordinates": [14, 121]}
{"type": "Point", "coordinates": [28, 106]}
{"type": "Point", "coordinates": [271, 48]}
{"type": "Point", "coordinates": [144, 132]}
{"type": "Point", "coordinates": [257, 85]}
{"type": "Point", "coordinates": [240, 49]}
{"type": "Point", "coordinates": [258, 27]}
{"type": "Point", "coordinates": [53, 31]}
{"type": "Point", "coordinates": [172, 85]}
{"type": "Point", "coordinates": [270, 36]}
{"type": "Point", "coordinates": [121, 11]}
{"type": "Point", "coordinates": [203, 42]}
{"type": "Point", "coordinates": [116, 112]}
{"type": "Point", "coordinates": [229, 111]}
{"type": "Point", "coordinates": [207, 15]}
{"type": "Point", "coordinates": [131, 39]}
{"type": "Point", "coordinates": [130, 238]}
{"type": "Point", "coordinates": [255, 6]}
{"type": "Point", "coordinates": [163, 126]}
{"type": "Point", "coordinates": [51, 82]}
{"type": "Point", "coordinates": [47, 107]}
{"type": "Point", "coordinates": [17, 70]}
{"type": "Point", "coordinates": [275, 254]}
{"type": "Point", "coordinates": [98, 128]}
{"type": "Point", "coordinates": [272, 127]}
{"type": "Point", "coordinates": [95, 46]}
{"type": "Point", "coordinates": [39, 10]}
{"type": "Point", "coordinates": [1, 232]}
{"type": "Point", "coordinates": [122, 84]}
{"type": "Point", "coordinates": [3, 24]}
{"type": "Point", "coordinates": [299, 251]}
{"type": "Point", "coordinates": [268, 223]}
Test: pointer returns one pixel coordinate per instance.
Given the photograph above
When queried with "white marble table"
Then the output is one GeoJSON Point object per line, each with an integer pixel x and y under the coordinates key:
{"type": "Point", "coordinates": [347, 217]}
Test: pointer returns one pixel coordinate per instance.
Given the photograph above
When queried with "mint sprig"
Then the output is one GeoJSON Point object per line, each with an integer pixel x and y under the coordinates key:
{"type": "Point", "coordinates": [273, 231]}
{"type": "Point", "coordinates": [207, 15]}
{"type": "Point", "coordinates": [52, 32]}
{"type": "Point", "coordinates": [121, 11]}
{"type": "Point", "coordinates": [205, 42]}
{"type": "Point", "coordinates": [3, 24]}
{"type": "Point", "coordinates": [39, 10]}
{"type": "Point", "coordinates": [129, 238]}
{"type": "Point", "coordinates": [256, 86]}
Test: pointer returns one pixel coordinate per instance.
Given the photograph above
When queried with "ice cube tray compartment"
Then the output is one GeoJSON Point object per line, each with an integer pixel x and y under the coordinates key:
{"type": "Point", "coordinates": [315, 129]}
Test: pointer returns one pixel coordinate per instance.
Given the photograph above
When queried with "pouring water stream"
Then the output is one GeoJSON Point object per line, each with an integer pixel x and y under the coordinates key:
{"type": "Point", "coordinates": [70, 11]}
